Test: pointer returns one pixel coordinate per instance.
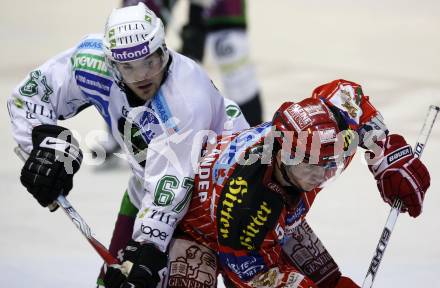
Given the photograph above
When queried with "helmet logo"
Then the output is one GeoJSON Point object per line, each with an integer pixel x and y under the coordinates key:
{"type": "Point", "coordinates": [148, 18]}
{"type": "Point", "coordinates": [111, 33]}
{"type": "Point", "coordinates": [298, 117]}
{"type": "Point", "coordinates": [112, 40]}
{"type": "Point", "coordinates": [313, 110]}
{"type": "Point", "coordinates": [131, 53]}
{"type": "Point", "coordinates": [112, 43]}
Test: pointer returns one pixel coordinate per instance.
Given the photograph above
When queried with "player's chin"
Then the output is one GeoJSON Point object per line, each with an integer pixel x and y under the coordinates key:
{"type": "Point", "coordinates": [146, 93]}
{"type": "Point", "coordinates": [309, 186]}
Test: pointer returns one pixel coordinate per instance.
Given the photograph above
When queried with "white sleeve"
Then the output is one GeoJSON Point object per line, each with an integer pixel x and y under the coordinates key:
{"type": "Point", "coordinates": [47, 94]}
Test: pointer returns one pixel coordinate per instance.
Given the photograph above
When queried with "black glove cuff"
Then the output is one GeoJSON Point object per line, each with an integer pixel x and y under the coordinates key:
{"type": "Point", "coordinates": [148, 262]}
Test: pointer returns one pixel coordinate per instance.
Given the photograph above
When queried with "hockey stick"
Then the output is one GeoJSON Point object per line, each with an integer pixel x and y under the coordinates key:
{"type": "Point", "coordinates": [397, 205]}
{"type": "Point", "coordinates": [76, 219]}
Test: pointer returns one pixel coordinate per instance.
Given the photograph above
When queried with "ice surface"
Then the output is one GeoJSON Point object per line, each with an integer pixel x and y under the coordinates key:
{"type": "Point", "coordinates": [390, 47]}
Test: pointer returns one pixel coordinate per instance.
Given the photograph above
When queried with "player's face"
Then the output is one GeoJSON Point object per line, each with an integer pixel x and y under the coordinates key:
{"type": "Point", "coordinates": [309, 176]}
{"type": "Point", "coordinates": [306, 176]}
{"type": "Point", "coordinates": [144, 76]}
{"type": "Point", "coordinates": [147, 88]}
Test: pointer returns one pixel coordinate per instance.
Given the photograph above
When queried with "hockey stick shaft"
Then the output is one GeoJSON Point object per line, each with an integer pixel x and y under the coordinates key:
{"type": "Point", "coordinates": [79, 222]}
{"type": "Point", "coordinates": [397, 205]}
{"type": "Point", "coordinates": [82, 226]}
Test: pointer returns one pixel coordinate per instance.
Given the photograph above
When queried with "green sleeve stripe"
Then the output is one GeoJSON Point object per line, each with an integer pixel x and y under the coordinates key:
{"type": "Point", "coordinates": [127, 208]}
{"type": "Point", "coordinates": [231, 20]}
{"type": "Point", "coordinates": [100, 282]}
{"type": "Point", "coordinates": [236, 20]}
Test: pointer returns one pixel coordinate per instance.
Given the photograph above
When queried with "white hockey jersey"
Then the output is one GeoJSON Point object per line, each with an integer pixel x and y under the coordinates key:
{"type": "Point", "coordinates": [160, 137]}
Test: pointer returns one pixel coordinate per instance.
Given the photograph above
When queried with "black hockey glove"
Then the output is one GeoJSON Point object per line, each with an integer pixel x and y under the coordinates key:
{"type": "Point", "coordinates": [142, 263]}
{"type": "Point", "coordinates": [55, 157]}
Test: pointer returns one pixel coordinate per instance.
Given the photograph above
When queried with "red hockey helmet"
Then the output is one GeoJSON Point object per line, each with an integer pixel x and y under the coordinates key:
{"type": "Point", "coordinates": [311, 139]}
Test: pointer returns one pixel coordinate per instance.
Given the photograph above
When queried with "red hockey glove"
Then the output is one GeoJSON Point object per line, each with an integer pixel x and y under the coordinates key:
{"type": "Point", "coordinates": [399, 174]}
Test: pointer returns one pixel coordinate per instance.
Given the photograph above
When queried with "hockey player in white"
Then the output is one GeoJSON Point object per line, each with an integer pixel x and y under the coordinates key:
{"type": "Point", "coordinates": [222, 27]}
{"type": "Point", "coordinates": [154, 100]}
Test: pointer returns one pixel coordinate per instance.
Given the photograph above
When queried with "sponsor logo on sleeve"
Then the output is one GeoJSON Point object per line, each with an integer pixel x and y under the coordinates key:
{"type": "Point", "coordinates": [275, 278]}
{"type": "Point", "coordinates": [160, 216]}
{"type": "Point", "coordinates": [30, 87]}
{"type": "Point", "coordinates": [161, 107]}
{"type": "Point", "coordinates": [352, 111]}
{"type": "Point", "coordinates": [243, 223]}
{"type": "Point", "coordinates": [299, 211]}
{"type": "Point", "coordinates": [294, 279]}
{"type": "Point", "coordinates": [293, 219]}
{"type": "Point", "coordinates": [33, 109]}
{"type": "Point", "coordinates": [255, 226]}
{"type": "Point", "coordinates": [244, 267]}
{"type": "Point", "coordinates": [232, 111]}
{"type": "Point", "coordinates": [88, 81]}
{"type": "Point", "coordinates": [191, 266]}
{"type": "Point", "coordinates": [94, 44]}
{"type": "Point", "coordinates": [233, 196]}
{"type": "Point", "coordinates": [153, 233]}
{"type": "Point", "coordinates": [92, 63]}
{"type": "Point", "coordinates": [308, 253]}
{"type": "Point", "coordinates": [346, 100]}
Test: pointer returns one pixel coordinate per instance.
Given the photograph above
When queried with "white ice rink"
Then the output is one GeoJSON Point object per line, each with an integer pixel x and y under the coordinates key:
{"type": "Point", "coordinates": [390, 47]}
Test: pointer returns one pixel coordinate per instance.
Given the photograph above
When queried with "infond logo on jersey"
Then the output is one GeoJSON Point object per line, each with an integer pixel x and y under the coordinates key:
{"type": "Point", "coordinates": [153, 233]}
{"type": "Point", "coordinates": [131, 53]}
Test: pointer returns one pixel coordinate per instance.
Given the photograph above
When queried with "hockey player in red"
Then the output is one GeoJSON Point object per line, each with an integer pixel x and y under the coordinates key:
{"type": "Point", "coordinates": [254, 189]}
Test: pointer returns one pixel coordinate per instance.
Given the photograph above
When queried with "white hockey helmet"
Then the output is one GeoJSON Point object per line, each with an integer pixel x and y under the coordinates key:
{"type": "Point", "coordinates": [134, 37]}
